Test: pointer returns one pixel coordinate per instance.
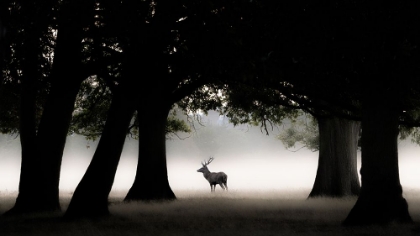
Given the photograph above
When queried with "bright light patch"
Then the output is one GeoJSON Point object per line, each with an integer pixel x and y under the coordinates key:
{"type": "Point", "coordinates": [259, 171]}
{"type": "Point", "coordinates": [409, 163]}
{"type": "Point", "coordinates": [264, 166]}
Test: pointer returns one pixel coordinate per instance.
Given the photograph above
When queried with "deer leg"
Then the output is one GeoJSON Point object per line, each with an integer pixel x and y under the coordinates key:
{"type": "Point", "coordinates": [221, 185]}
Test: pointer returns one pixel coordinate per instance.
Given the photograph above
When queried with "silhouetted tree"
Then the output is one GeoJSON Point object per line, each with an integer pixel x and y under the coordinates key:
{"type": "Point", "coordinates": [337, 174]}
{"type": "Point", "coordinates": [338, 57]}
{"type": "Point", "coordinates": [42, 148]}
{"type": "Point", "coordinates": [202, 57]}
{"type": "Point", "coordinates": [336, 139]}
{"type": "Point", "coordinates": [26, 59]}
{"type": "Point", "coordinates": [172, 59]}
{"type": "Point", "coordinates": [368, 52]}
{"type": "Point", "coordinates": [380, 199]}
{"type": "Point", "coordinates": [91, 195]}
{"type": "Point", "coordinates": [336, 142]}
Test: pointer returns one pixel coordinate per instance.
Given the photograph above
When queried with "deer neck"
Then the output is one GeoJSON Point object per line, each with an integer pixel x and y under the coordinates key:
{"type": "Point", "coordinates": [206, 174]}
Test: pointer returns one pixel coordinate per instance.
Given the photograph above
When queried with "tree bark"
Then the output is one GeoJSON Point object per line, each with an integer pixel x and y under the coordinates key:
{"type": "Point", "coordinates": [380, 200]}
{"type": "Point", "coordinates": [151, 181]}
{"type": "Point", "coordinates": [90, 198]}
{"type": "Point", "coordinates": [337, 165]}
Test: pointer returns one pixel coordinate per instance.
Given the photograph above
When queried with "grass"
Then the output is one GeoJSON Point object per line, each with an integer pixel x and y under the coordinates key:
{"type": "Point", "coordinates": [202, 213]}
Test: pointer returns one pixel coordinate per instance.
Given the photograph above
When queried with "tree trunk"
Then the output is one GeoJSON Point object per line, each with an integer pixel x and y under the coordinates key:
{"type": "Point", "coordinates": [27, 122]}
{"type": "Point", "coordinates": [91, 195]}
{"type": "Point", "coordinates": [40, 172]}
{"type": "Point", "coordinates": [380, 200]}
{"type": "Point", "coordinates": [337, 165]}
{"type": "Point", "coordinates": [30, 50]}
{"type": "Point", "coordinates": [151, 181]}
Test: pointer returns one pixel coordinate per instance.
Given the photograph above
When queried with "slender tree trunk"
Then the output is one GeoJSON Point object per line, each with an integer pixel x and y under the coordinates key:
{"type": "Point", "coordinates": [151, 181]}
{"type": "Point", "coordinates": [91, 195]}
{"type": "Point", "coordinates": [380, 200]}
{"type": "Point", "coordinates": [337, 165]}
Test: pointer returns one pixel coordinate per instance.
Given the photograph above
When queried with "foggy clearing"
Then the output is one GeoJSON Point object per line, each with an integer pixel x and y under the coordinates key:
{"type": "Point", "coordinates": [268, 190]}
{"type": "Point", "coordinates": [201, 213]}
{"type": "Point", "coordinates": [251, 159]}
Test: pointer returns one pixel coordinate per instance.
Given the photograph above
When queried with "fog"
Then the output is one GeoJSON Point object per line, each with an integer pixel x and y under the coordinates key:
{"type": "Point", "coordinates": [251, 159]}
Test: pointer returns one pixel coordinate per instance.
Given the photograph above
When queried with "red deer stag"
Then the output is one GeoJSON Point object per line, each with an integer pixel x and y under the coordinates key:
{"type": "Point", "coordinates": [214, 178]}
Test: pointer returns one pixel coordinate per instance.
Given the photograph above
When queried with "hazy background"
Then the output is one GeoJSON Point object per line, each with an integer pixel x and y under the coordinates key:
{"type": "Point", "coordinates": [251, 159]}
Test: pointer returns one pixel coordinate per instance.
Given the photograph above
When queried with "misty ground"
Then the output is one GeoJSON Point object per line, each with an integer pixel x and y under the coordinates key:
{"type": "Point", "coordinates": [201, 213]}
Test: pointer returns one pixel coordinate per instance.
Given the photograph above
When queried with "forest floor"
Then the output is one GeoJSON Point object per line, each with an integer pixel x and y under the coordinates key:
{"type": "Point", "coordinates": [202, 213]}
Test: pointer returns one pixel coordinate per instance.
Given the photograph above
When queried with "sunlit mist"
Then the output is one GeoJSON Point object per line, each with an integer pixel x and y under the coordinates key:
{"type": "Point", "coordinates": [253, 161]}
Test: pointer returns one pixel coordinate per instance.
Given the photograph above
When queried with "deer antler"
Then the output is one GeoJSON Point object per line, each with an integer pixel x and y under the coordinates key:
{"type": "Point", "coordinates": [207, 162]}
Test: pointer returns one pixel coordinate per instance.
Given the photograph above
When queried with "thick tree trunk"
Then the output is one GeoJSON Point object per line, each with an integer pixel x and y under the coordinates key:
{"type": "Point", "coordinates": [40, 172]}
{"type": "Point", "coordinates": [91, 195]}
{"type": "Point", "coordinates": [337, 165]}
{"type": "Point", "coordinates": [151, 181]}
{"type": "Point", "coordinates": [380, 200]}
{"type": "Point", "coordinates": [27, 122]}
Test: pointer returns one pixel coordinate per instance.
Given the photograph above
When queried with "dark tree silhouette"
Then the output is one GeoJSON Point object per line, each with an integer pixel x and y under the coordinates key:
{"type": "Point", "coordinates": [337, 174]}
{"type": "Point", "coordinates": [337, 141]}
{"type": "Point", "coordinates": [157, 41]}
{"type": "Point", "coordinates": [201, 58]}
{"type": "Point", "coordinates": [369, 49]}
{"type": "Point", "coordinates": [337, 57]}
{"type": "Point", "coordinates": [42, 154]}
{"type": "Point", "coordinates": [151, 181]}
{"type": "Point", "coordinates": [381, 199]}
{"type": "Point", "coordinates": [91, 195]}
{"type": "Point", "coordinates": [27, 128]}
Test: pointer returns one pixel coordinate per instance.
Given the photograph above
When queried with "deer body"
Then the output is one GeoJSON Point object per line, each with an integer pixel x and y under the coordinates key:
{"type": "Point", "coordinates": [214, 178]}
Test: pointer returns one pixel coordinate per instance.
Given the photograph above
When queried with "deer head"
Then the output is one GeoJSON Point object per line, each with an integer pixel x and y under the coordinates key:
{"type": "Point", "coordinates": [204, 168]}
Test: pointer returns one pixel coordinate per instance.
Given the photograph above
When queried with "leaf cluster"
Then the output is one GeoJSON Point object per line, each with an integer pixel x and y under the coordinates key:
{"type": "Point", "coordinates": [303, 130]}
